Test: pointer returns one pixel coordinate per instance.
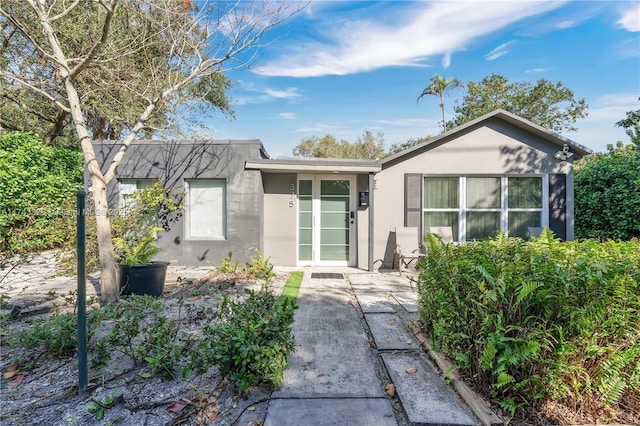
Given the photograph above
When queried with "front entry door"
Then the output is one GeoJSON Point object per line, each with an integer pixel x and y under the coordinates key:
{"type": "Point", "coordinates": [326, 220]}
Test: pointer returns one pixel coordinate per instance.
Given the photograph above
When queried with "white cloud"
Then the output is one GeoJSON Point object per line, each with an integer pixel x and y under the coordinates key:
{"type": "Point", "coordinates": [317, 128]}
{"type": "Point", "coordinates": [539, 70]}
{"type": "Point", "coordinates": [288, 93]}
{"type": "Point", "coordinates": [630, 19]}
{"type": "Point", "coordinates": [408, 122]}
{"type": "Point", "coordinates": [499, 51]}
{"type": "Point", "coordinates": [446, 60]}
{"type": "Point", "coordinates": [287, 115]}
{"type": "Point", "coordinates": [401, 39]}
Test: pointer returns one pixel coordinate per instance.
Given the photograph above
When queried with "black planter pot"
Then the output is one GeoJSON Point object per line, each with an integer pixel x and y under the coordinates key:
{"type": "Point", "coordinates": [145, 279]}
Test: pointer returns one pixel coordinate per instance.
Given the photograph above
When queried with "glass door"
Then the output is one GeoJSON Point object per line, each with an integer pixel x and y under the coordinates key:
{"type": "Point", "coordinates": [326, 219]}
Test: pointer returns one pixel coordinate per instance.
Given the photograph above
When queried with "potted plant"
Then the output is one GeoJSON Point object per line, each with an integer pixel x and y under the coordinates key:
{"type": "Point", "coordinates": [135, 239]}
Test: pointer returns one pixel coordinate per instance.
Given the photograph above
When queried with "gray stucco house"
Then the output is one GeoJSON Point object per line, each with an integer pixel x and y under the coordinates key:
{"type": "Point", "coordinates": [497, 173]}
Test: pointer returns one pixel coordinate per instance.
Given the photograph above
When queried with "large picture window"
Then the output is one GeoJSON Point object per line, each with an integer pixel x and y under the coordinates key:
{"type": "Point", "coordinates": [206, 209]}
{"type": "Point", "coordinates": [477, 207]}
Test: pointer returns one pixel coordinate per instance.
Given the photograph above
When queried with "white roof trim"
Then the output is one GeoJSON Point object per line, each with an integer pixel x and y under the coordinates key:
{"type": "Point", "coordinates": [509, 117]}
{"type": "Point", "coordinates": [309, 166]}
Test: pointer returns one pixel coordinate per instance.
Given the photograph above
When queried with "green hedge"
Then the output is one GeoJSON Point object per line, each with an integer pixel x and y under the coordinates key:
{"type": "Point", "coordinates": [544, 319]}
{"type": "Point", "coordinates": [607, 195]}
{"type": "Point", "coordinates": [37, 193]}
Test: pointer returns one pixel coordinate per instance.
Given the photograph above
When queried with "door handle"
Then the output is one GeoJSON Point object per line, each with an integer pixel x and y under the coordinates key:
{"type": "Point", "coordinates": [352, 215]}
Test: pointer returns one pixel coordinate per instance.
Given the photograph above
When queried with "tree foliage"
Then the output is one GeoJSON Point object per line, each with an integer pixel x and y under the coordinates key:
{"type": "Point", "coordinates": [550, 105]}
{"type": "Point", "coordinates": [367, 147]}
{"type": "Point", "coordinates": [37, 193]}
{"type": "Point", "coordinates": [631, 125]}
{"type": "Point", "coordinates": [134, 62]}
{"type": "Point", "coordinates": [439, 86]}
{"type": "Point", "coordinates": [89, 59]}
{"type": "Point", "coordinates": [607, 194]}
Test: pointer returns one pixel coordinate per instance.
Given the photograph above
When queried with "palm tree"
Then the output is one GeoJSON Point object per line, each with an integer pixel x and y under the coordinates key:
{"type": "Point", "coordinates": [439, 86]}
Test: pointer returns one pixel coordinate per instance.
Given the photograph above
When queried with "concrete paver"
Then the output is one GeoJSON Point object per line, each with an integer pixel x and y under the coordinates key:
{"type": "Point", "coordinates": [375, 302]}
{"type": "Point", "coordinates": [408, 300]}
{"type": "Point", "coordinates": [333, 412]}
{"type": "Point", "coordinates": [332, 376]}
{"type": "Point", "coordinates": [390, 333]}
{"type": "Point", "coordinates": [426, 399]}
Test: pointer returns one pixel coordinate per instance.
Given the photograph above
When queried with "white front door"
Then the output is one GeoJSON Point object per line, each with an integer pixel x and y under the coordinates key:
{"type": "Point", "coordinates": [326, 220]}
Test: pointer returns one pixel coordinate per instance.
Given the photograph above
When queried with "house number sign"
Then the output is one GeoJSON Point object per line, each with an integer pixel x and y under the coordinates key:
{"type": "Point", "coordinates": [292, 187]}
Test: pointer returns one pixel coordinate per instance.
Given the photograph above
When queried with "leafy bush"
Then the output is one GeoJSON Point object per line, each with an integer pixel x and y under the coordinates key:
{"type": "Point", "coordinates": [228, 265]}
{"type": "Point", "coordinates": [252, 341]}
{"type": "Point", "coordinates": [259, 267]}
{"type": "Point", "coordinates": [527, 320]}
{"type": "Point", "coordinates": [607, 195]}
{"type": "Point", "coordinates": [37, 193]}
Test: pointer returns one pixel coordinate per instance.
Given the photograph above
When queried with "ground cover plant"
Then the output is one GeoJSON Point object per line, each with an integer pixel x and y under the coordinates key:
{"type": "Point", "coordinates": [224, 332]}
{"type": "Point", "coordinates": [540, 324]}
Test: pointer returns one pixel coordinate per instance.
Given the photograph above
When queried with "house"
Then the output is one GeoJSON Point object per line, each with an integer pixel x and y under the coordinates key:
{"type": "Point", "coordinates": [499, 172]}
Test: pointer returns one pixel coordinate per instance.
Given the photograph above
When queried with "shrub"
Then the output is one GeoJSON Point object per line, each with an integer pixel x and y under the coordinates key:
{"type": "Point", "coordinates": [607, 194]}
{"type": "Point", "coordinates": [527, 320]}
{"type": "Point", "coordinates": [252, 341]}
{"type": "Point", "coordinates": [37, 193]}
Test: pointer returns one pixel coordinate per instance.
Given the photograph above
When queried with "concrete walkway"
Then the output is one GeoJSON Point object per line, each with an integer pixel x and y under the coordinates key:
{"type": "Point", "coordinates": [337, 375]}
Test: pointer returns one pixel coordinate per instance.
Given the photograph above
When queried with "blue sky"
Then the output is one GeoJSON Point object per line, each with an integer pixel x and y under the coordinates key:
{"type": "Point", "coordinates": [342, 68]}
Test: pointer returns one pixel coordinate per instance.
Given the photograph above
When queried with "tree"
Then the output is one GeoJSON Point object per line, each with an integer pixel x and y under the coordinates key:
{"type": "Point", "coordinates": [367, 147]}
{"type": "Point", "coordinates": [439, 86]}
{"type": "Point", "coordinates": [607, 194]}
{"type": "Point", "coordinates": [397, 147]}
{"type": "Point", "coordinates": [110, 108]}
{"type": "Point", "coordinates": [82, 48]}
{"type": "Point", "coordinates": [550, 105]}
{"type": "Point", "coordinates": [631, 125]}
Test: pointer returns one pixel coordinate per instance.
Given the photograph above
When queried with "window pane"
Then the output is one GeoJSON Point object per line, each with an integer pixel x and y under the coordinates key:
{"type": "Point", "coordinates": [305, 220]}
{"type": "Point", "coordinates": [334, 187]}
{"type": "Point", "coordinates": [441, 193]}
{"type": "Point", "coordinates": [337, 204]}
{"type": "Point", "coordinates": [304, 187]}
{"type": "Point", "coordinates": [442, 219]}
{"type": "Point", "coordinates": [304, 252]}
{"type": "Point", "coordinates": [334, 252]}
{"type": "Point", "coordinates": [519, 222]}
{"type": "Point", "coordinates": [334, 220]}
{"type": "Point", "coordinates": [206, 208]}
{"type": "Point", "coordinates": [304, 236]}
{"type": "Point", "coordinates": [525, 192]}
{"type": "Point", "coordinates": [483, 193]}
{"type": "Point", "coordinates": [334, 236]}
{"type": "Point", "coordinates": [482, 224]}
{"type": "Point", "coordinates": [304, 204]}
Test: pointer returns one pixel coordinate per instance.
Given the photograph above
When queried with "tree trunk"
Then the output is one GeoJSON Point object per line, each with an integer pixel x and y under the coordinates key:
{"type": "Point", "coordinates": [108, 284]}
{"type": "Point", "coordinates": [98, 189]}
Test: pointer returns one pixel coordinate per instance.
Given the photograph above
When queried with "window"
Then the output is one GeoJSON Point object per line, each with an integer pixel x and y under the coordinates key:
{"type": "Point", "coordinates": [525, 205]}
{"type": "Point", "coordinates": [206, 209]}
{"type": "Point", "coordinates": [129, 186]}
{"type": "Point", "coordinates": [477, 207]}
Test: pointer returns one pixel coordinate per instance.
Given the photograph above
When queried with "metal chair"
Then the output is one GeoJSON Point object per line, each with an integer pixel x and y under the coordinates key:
{"type": "Point", "coordinates": [408, 246]}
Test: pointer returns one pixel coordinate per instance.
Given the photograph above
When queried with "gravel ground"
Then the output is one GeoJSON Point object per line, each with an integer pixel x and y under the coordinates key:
{"type": "Point", "coordinates": [37, 388]}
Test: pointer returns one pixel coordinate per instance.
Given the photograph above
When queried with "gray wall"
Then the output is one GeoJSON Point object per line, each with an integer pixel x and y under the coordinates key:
{"type": "Point", "coordinates": [280, 220]}
{"type": "Point", "coordinates": [490, 148]}
{"type": "Point", "coordinates": [172, 162]}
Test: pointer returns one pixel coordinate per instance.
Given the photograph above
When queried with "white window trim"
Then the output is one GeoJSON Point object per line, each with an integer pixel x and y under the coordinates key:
{"type": "Point", "coordinates": [503, 210]}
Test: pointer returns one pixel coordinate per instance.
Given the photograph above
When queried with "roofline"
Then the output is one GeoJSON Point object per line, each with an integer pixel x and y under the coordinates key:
{"type": "Point", "coordinates": [509, 117]}
{"type": "Point", "coordinates": [323, 165]}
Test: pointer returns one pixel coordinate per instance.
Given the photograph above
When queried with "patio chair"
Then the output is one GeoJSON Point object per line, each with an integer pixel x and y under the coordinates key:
{"type": "Point", "coordinates": [408, 246]}
{"type": "Point", "coordinates": [445, 233]}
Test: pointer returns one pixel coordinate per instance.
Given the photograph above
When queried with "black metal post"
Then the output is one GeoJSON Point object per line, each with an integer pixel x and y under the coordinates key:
{"type": "Point", "coordinates": [83, 369]}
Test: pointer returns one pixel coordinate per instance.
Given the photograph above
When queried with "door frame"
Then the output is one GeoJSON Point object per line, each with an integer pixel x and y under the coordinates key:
{"type": "Point", "coordinates": [315, 201]}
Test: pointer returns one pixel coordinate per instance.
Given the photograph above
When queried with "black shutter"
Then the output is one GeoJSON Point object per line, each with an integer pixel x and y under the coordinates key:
{"type": "Point", "coordinates": [412, 199]}
{"type": "Point", "coordinates": [558, 205]}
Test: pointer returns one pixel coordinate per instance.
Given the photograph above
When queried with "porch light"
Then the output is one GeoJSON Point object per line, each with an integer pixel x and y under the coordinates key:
{"type": "Point", "coordinates": [563, 154]}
